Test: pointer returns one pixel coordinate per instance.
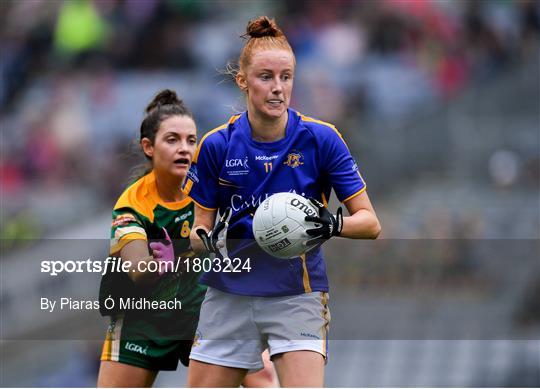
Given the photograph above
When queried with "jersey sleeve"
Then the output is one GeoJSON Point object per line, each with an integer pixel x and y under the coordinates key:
{"type": "Point", "coordinates": [127, 225]}
{"type": "Point", "coordinates": [341, 168]}
{"type": "Point", "coordinates": [202, 179]}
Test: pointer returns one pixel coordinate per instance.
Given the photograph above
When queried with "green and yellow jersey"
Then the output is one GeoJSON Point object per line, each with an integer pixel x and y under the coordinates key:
{"type": "Point", "coordinates": [141, 214]}
{"type": "Point", "coordinates": [153, 339]}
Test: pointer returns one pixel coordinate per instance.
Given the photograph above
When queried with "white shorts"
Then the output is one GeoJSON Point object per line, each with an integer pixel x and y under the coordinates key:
{"type": "Point", "coordinates": [234, 330]}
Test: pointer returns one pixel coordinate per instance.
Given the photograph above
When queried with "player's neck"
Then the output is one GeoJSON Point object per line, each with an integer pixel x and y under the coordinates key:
{"type": "Point", "coordinates": [169, 188]}
{"type": "Point", "coordinates": [267, 130]}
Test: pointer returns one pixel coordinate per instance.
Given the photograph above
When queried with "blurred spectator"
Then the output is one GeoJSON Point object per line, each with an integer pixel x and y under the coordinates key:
{"type": "Point", "coordinates": [79, 28]}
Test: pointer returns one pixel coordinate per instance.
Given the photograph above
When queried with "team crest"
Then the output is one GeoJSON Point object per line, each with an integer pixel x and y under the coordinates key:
{"type": "Point", "coordinates": [294, 159]}
{"type": "Point", "coordinates": [196, 339]}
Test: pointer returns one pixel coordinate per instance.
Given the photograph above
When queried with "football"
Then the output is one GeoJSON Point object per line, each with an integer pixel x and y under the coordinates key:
{"type": "Point", "coordinates": [279, 226]}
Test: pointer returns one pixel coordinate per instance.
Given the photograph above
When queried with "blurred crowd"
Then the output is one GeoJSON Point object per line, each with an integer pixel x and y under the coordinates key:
{"type": "Point", "coordinates": [437, 46]}
{"type": "Point", "coordinates": [76, 75]}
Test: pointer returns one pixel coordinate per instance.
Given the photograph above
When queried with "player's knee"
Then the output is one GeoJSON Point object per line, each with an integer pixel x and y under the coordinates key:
{"type": "Point", "coordinates": [262, 379]}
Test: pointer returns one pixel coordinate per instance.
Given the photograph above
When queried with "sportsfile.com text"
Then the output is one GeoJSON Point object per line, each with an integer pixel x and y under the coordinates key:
{"type": "Point", "coordinates": [117, 265]}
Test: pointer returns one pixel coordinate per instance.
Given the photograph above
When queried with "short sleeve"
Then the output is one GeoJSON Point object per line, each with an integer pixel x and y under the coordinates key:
{"type": "Point", "coordinates": [126, 226]}
{"type": "Point", "coordinates": [341, 168]}
{"type": "Point", "coordinates": [202, 179]}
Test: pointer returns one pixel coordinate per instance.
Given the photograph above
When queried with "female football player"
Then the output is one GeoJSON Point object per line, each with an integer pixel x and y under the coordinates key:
{"type": "Point", "coordinates": [140, 343]}
{"type": "Point", "coordinates": [276, 304]}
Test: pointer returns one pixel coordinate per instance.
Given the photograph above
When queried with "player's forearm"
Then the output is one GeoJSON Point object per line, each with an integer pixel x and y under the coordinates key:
{"type": "Point", "coordinates": [204, 219]}
{"type": "Point", "coordinates": [137, 251]}
{"type": "Point", "coordinates": [196, 243]}
{"type": "Point", "coordinates": [362, 225]}
{"type": "Point", "coordinates": [140, 276]}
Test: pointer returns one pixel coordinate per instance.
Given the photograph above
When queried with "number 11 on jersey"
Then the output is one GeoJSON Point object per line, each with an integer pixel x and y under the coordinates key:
{"type": "Point", "coordinates": [267, 166]}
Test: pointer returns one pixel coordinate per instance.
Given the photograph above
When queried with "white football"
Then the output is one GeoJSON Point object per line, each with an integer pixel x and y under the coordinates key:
{"type": "Point", "coordinates": [279, 226]}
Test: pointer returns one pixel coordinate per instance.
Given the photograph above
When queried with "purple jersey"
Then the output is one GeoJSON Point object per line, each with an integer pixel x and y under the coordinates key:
{"type": "Point", "coordinates": [230, 169]}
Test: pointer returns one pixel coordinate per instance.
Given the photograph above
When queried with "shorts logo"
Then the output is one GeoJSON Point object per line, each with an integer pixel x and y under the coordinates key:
{"type": "Point", "coordinates": [294, 159]}
{"type": "Point", "coordinates": [123, 220]}
{"type": "Point", "coordinates": [307, 335]}
{"type": "Point", "coordinates": [136, 348]}
{"type": "Point", "coordinates": [279, 245]}
{"type": "Point", "coordinates": [196, 339]}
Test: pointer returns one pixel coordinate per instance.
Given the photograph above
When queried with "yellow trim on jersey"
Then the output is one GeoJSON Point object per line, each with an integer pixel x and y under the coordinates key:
{"type": "Point", "coordinates": [310, 119]}
{"type": "Point", "coordinates": [325, 312]}
{"type": "Point", "coordinates": [313, 120]}
{"type": "Point", "coordinates": [136, 197]}
{"type": "Point", "coordinates": [305, 277]}
{"type": "Point", "coordinates": [325, 202]}
{"type": "Point", "coordinates": [188, 186]}
{"type": "Point", "coordinates": [203, 207]}
{"type": "Point", "coordinates": [118, 244]}
{"type": "Point", "coordinates": [177, 204]}
{"type": "Point", "coordinates": [173, 205]}
{"type": "Point", "coordinates": [223, 126]}
{"type": "Point", "coordinates": [355, 194]}
{"type": "Point", "coordinates": [143, 197]}
{"type": "Point", "coordinates": [223, 182]}
{"type": "Point", "coordinates": [361, 178]}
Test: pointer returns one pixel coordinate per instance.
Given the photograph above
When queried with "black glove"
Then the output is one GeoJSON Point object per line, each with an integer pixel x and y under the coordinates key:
{"type": "Point", "coordinates": [215, 240]}
{"type": "Point", "coordinates": [327, 225]}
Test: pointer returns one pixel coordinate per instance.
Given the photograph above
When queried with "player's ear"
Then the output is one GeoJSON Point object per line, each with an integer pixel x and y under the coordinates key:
{"type": "Point", "coordinates": [147, 147]}
{"type": "Point", "coordinates": [241, 81]}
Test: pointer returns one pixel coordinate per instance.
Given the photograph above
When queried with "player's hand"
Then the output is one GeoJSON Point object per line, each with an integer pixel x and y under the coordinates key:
{"type": "Point", "coordinates": [326, 224]}
{"type": "Point", "coordinates": [215, 241]}
{"type": "Point", "coordinates": [163, 252]}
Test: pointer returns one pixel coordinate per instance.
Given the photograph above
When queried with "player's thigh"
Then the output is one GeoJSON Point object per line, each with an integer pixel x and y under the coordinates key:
{"type": "Point", "coordinates": [300, 369]}
{"type": "Point", "coordinates": [265, 378]}
{"type": "Point", "coordinates": [207, 375]}
{"type": "Point", "coordinates": [116, 374]}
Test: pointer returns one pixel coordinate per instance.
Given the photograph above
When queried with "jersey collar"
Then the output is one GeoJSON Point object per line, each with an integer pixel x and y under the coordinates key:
{"type": "Point", "coordinates": [292, 122]}
{"type": "Point", "coordinates": [154, 195]}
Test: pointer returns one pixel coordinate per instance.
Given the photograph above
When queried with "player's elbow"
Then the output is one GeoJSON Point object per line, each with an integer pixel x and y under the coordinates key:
{"type": "Point", "coordinates": [375, 229]}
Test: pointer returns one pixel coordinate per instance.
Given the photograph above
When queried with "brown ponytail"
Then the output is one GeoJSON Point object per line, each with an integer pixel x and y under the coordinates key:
{"type": "Point", "coordinates": [163, 106]}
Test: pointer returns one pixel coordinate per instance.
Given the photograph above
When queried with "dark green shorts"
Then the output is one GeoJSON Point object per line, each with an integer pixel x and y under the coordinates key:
{"type": "Point", "coordinates": [138, 343]}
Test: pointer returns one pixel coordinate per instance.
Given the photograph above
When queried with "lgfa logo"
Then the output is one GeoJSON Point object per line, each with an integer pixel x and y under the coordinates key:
{"type": "Point", "coordinates": [237, 166]}
{"type": "Point", "coordinates": [294, 159]}
{"type": "Point", "coordinates": [136, 348]}
{"type": "Point", "coordinates": [237, 162]}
